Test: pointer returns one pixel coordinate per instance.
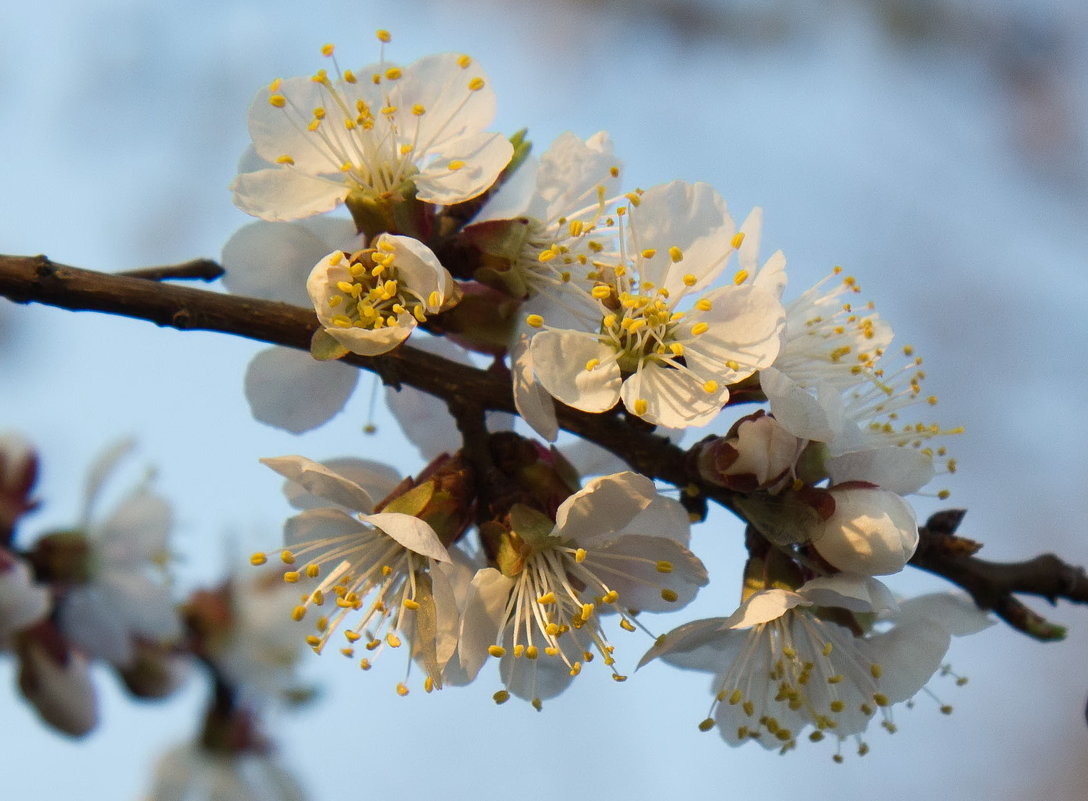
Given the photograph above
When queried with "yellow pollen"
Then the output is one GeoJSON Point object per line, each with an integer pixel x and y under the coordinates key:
{"type": "Point", "coordinates": [580, 555]}
{"type": "Point", "coordinates": [669, 595]}
{"type": "Point", "coordinates": [532, 652]}
{"type": "Point", "coordinates": [600, 292]}
{"type": "Point", "coordinates": [837, 706]}
{"type": "Point", "coordinates": [455, 165]}
{"type": "Point", "coordinates": [740, 277]}
{"type": "Point", "coordinates": [258, 559]}
{"type": "Point", "coordinates": [501, 697]}
{"type": "Point", "coordinates": [876, 671]}
{"type": "Point", "coordinates": [552, 629]}
{"type": "Point", "coordinates": [496, 651]}
{"type": "Point", "coordinates": [881, 699]}
{"type": "Point", "coordinates": [275, 85]}
{"type": "Point", "coordinates": [547, 598]}
{"type": "Point", "coordinates": [313, 640]}
{"type": "Point", "coordinates": [706, 725]}
{"type": "Point", "coordinates": [327, 50]}
{"type": "Point", "coordinates": [535, 320]}
{"type": "Point", "coordinates": [593, 364]}
{"type": "Point", "coordinates": [298, 613]}
{"type": "Point", "coordinates": [689, 280]}
{"type": "Point", "coordinates": [710, 387]}
{"type": "Point", "coordinates": [664, 566]}
{"type": "Point", "coordinates": [700, 328]}
{"type": "Point", "coordinates": [284, 159]}
{"type": "Point", "coordinates": [287, 557]}
{"type": "Point", "coordinates": [641, 405]}
{"type": "Point", "coordinates": [393, 640]}
{"type": "Point", "coordinates": [349, 77]}
{"type": "Point", "coordinates": [279, 101]}
{"type": "Point", "coordinates": [703, 305]}
{"type": "Point", "coordinates": [463, 62]}
{"type": "Point", "coordinates": [738, 238]}
{"type": "Point", "coordinates": [291, 576]}
{"type": "Point", "coordinates": [383, 36]}
{"type": "Point", "coordinates": [401, 689]}
{"type": "Point", "coordinates": [675, 254]}
{"type": "Point", "coordinates": [649, 253]}
{"type": "Point", "coordinates": [393, 73]}
{"type": "Point", "coordinates": [732, 364]}
{"type": "Point", "coordinates": [410, 604]}
{"type": "Point", "coordinates": [476, 84]}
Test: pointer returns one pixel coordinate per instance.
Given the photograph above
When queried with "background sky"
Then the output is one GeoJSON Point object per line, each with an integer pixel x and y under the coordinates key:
{"type": "Point", "coordinates": [936, 150]}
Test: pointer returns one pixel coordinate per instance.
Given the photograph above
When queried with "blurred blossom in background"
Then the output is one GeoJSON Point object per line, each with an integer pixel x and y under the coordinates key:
{"type": "Point", "coordinates": [933, 148]}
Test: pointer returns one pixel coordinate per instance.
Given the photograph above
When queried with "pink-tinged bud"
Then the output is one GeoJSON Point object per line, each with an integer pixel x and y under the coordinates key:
{"type": "Point", "coordinates": [872, 531]}
{"type": "Point", "coordinates": [56, 679]}
{"type": "Point", "coordinates": [18, 473]}
{"type": "Point", "coordinates": [22, 602]}
{"type": "Point", "coordinates": [757, 453]}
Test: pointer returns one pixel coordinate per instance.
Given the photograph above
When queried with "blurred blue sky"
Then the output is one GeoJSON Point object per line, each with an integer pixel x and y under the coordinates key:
{"type": "Point", "coordinates": [934, 149]}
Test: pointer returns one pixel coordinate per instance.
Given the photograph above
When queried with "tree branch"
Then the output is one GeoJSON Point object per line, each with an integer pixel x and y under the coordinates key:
{"type": "Point", "coordinates": [26, 279]}
{"type": "Point", "coordinates": [199, 269]}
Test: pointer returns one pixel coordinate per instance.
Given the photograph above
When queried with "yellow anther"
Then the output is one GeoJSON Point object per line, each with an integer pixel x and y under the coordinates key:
{"type": "Point", "coordinates": [428, 684]}
{"type": "Point", "coordinates": [455, 165]}
{"type": "Point", "coordinates": [881, 699]}
{"type": "Point", "coordinates": [476, 84]}
{"type": "Point", "coordinates": [580, 555]}
{"type": "Point", "coordinates": [532, 652]}
{"type": "Point", "coordinates": [601, 292]}
{"type": "Point", "coordinates": [610, 597]}
{"type": "Point", "coordinates": [298, 613]}
{"type": "Point", "coordinates": [464, 62]}
{"type": "Point", "coordinates": [547, 598]}
{"type": "Point", "coordinates": [285, 159]}
{"type": "Point", "coordinates": [535, 320]}
{"type": "Point", "coordinates": [876, 671]}
{"type": "Point", "coordinates": [313, 640]}
{"type": "Point", "coordinates": [393, 640]}
{"type": "Point", "coordinates": [700, 328]}
{"type": "Point", "coordinates": [551, 650]}
{"type": "Point", "coordinates": [327, 50]}
{"type": "Point", "coordinates": [349, 652]}
{"type": "Point", "coordinates": [496, 651]}
{"type": "Point", "coordinates": [402, 690]}
{"type": "Point", "coordinates": [641, 405]}
{"type": "Point", "coordinates": [552, 629]}
{"type": "Point", "coordinates": [258, 559]}
{"type": "Point", "coordinates": [393, 73]}
{"type": "Point", "coordinates": [389, 111]}
{"type": "Point", "coordinates": [364, 663]}
{"type": "Point", "coordinates": [649, 253]}
{"type": "Point", "coordinates": [664, 566]}
{"type": "Point", "coordinates": [703, 305]}
{"type": "Point", "coordinates": [291, 576]}
{"type": "Point", "coordinates": [689, 280]}
{"type": "Point", "coordinates": [627, 625]}
{"type": "Point", "coordinates": [287, 557]}
{"type": "Point", "coordinates": [383, 36]}
{"type": "Point", "coordinates": [576, 668]}
{"type": "Point", "coordinates": [410, 604]}
{"type": "Point", "coordinates": [740, 277]}
{"type": "Point", "coordinates": [676, 348]}
{"type": "Point", "coordinates": [587, 612]}
{"type": "Point", "coordinates": [275, 85]}
{"type": "Point", "coordinates": [710, 387]}
{"type": "Point", "coordinates": [738, 238]}
{"type": "Point", "coordinates": [349, 76]}
{"type": "Point", "coordinates": [675, 254]}
{"type": "Point", "coordinates": [669, 595]}
{"type": "Point", "coordinates": [279, 101]}
{"type": "Point", "coordinates": [837, 706]}
{"type": "Point", "coordinates": [618, 677]}
{"type": "Point", "coordinates": [501, 697]}
{"type": "Point", "coordinates": [593, 364]}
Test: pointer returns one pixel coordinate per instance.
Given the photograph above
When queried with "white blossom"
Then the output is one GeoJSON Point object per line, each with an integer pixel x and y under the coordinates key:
{"type": "Point", "coordinates": [367, 135]}
{"type": "Point", "coordinates": [614, 546]}
{"type": "Point", "coordinates": [193, 773]}
{"type": "Point", "coordinates": [650, 331]}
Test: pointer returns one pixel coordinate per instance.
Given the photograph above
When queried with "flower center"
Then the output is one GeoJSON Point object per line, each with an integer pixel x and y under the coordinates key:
{"type": "Point", "coordinates": [371, 296]}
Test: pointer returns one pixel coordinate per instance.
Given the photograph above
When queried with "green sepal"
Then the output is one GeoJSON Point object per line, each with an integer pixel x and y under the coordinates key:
{"type": "Point", "coordinates": [533, 527]}
{"type": "Point", "coordinates": [324, 347]}
{"type": "Point", "coordinates": [413, 502]}
{"type": "Point", "coordinates": [512, 554]}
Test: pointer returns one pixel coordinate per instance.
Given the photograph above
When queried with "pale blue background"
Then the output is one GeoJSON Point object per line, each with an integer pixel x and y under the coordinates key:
{"type": "Point", "coordinates": [912, 162]}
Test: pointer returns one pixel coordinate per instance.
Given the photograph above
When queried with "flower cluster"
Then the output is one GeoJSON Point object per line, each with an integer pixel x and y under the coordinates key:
{"type": "Point", "coordinates": [650, 307]}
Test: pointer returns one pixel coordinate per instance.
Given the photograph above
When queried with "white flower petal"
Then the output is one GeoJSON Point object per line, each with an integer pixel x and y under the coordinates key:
{"type": "Point", "coordinates": [673, 398]}
{"type": "Point", "coordinates": [315, 525]}
{"type": "Point", "coordinates": [323, 481]}
{"type": "Point", "coordinates": [697, 645]}
{"type": "Point", "coordinates": [637, 578]}
{"type": "Point", "coordinates": [482, 617]}
{"type": "Point", "coordinates": [605, 505]}
{"type": "Point", "coordinates": [272, 260]}
{"type": "Point", "coordinates": [856, 593]}
{"type": "Point", "coordinates": [560, 359]}
{"type": "Point", "coordinates": [531, 399]}
{"type": "Point", "coordinates": [692, 217]}
{"type": "Point", "coordinates": [764, 606]}
{"type": "Point", "coordinates": [954, 612]}
{"type": "Point", "coordinates": [376, 478]}
{"type": "Point", "coordinates": [802, 414]}
{"type": "Point", "coordinates": [896, 469]}
{"type": "Point", "coordinates": [137, 531]}
{"type": "Point", "coordinates": [411, 532]}
{"type": "Point", "coordinates": [282, 194]}
{"type": "Point", "coordinates": [480, 158]}
{"type": "Point", "coordinates": [291, 390]}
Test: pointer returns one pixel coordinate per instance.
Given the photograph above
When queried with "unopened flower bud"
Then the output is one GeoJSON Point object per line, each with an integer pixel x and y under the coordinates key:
{"type": "Point", "coordinates": [872, 531]}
